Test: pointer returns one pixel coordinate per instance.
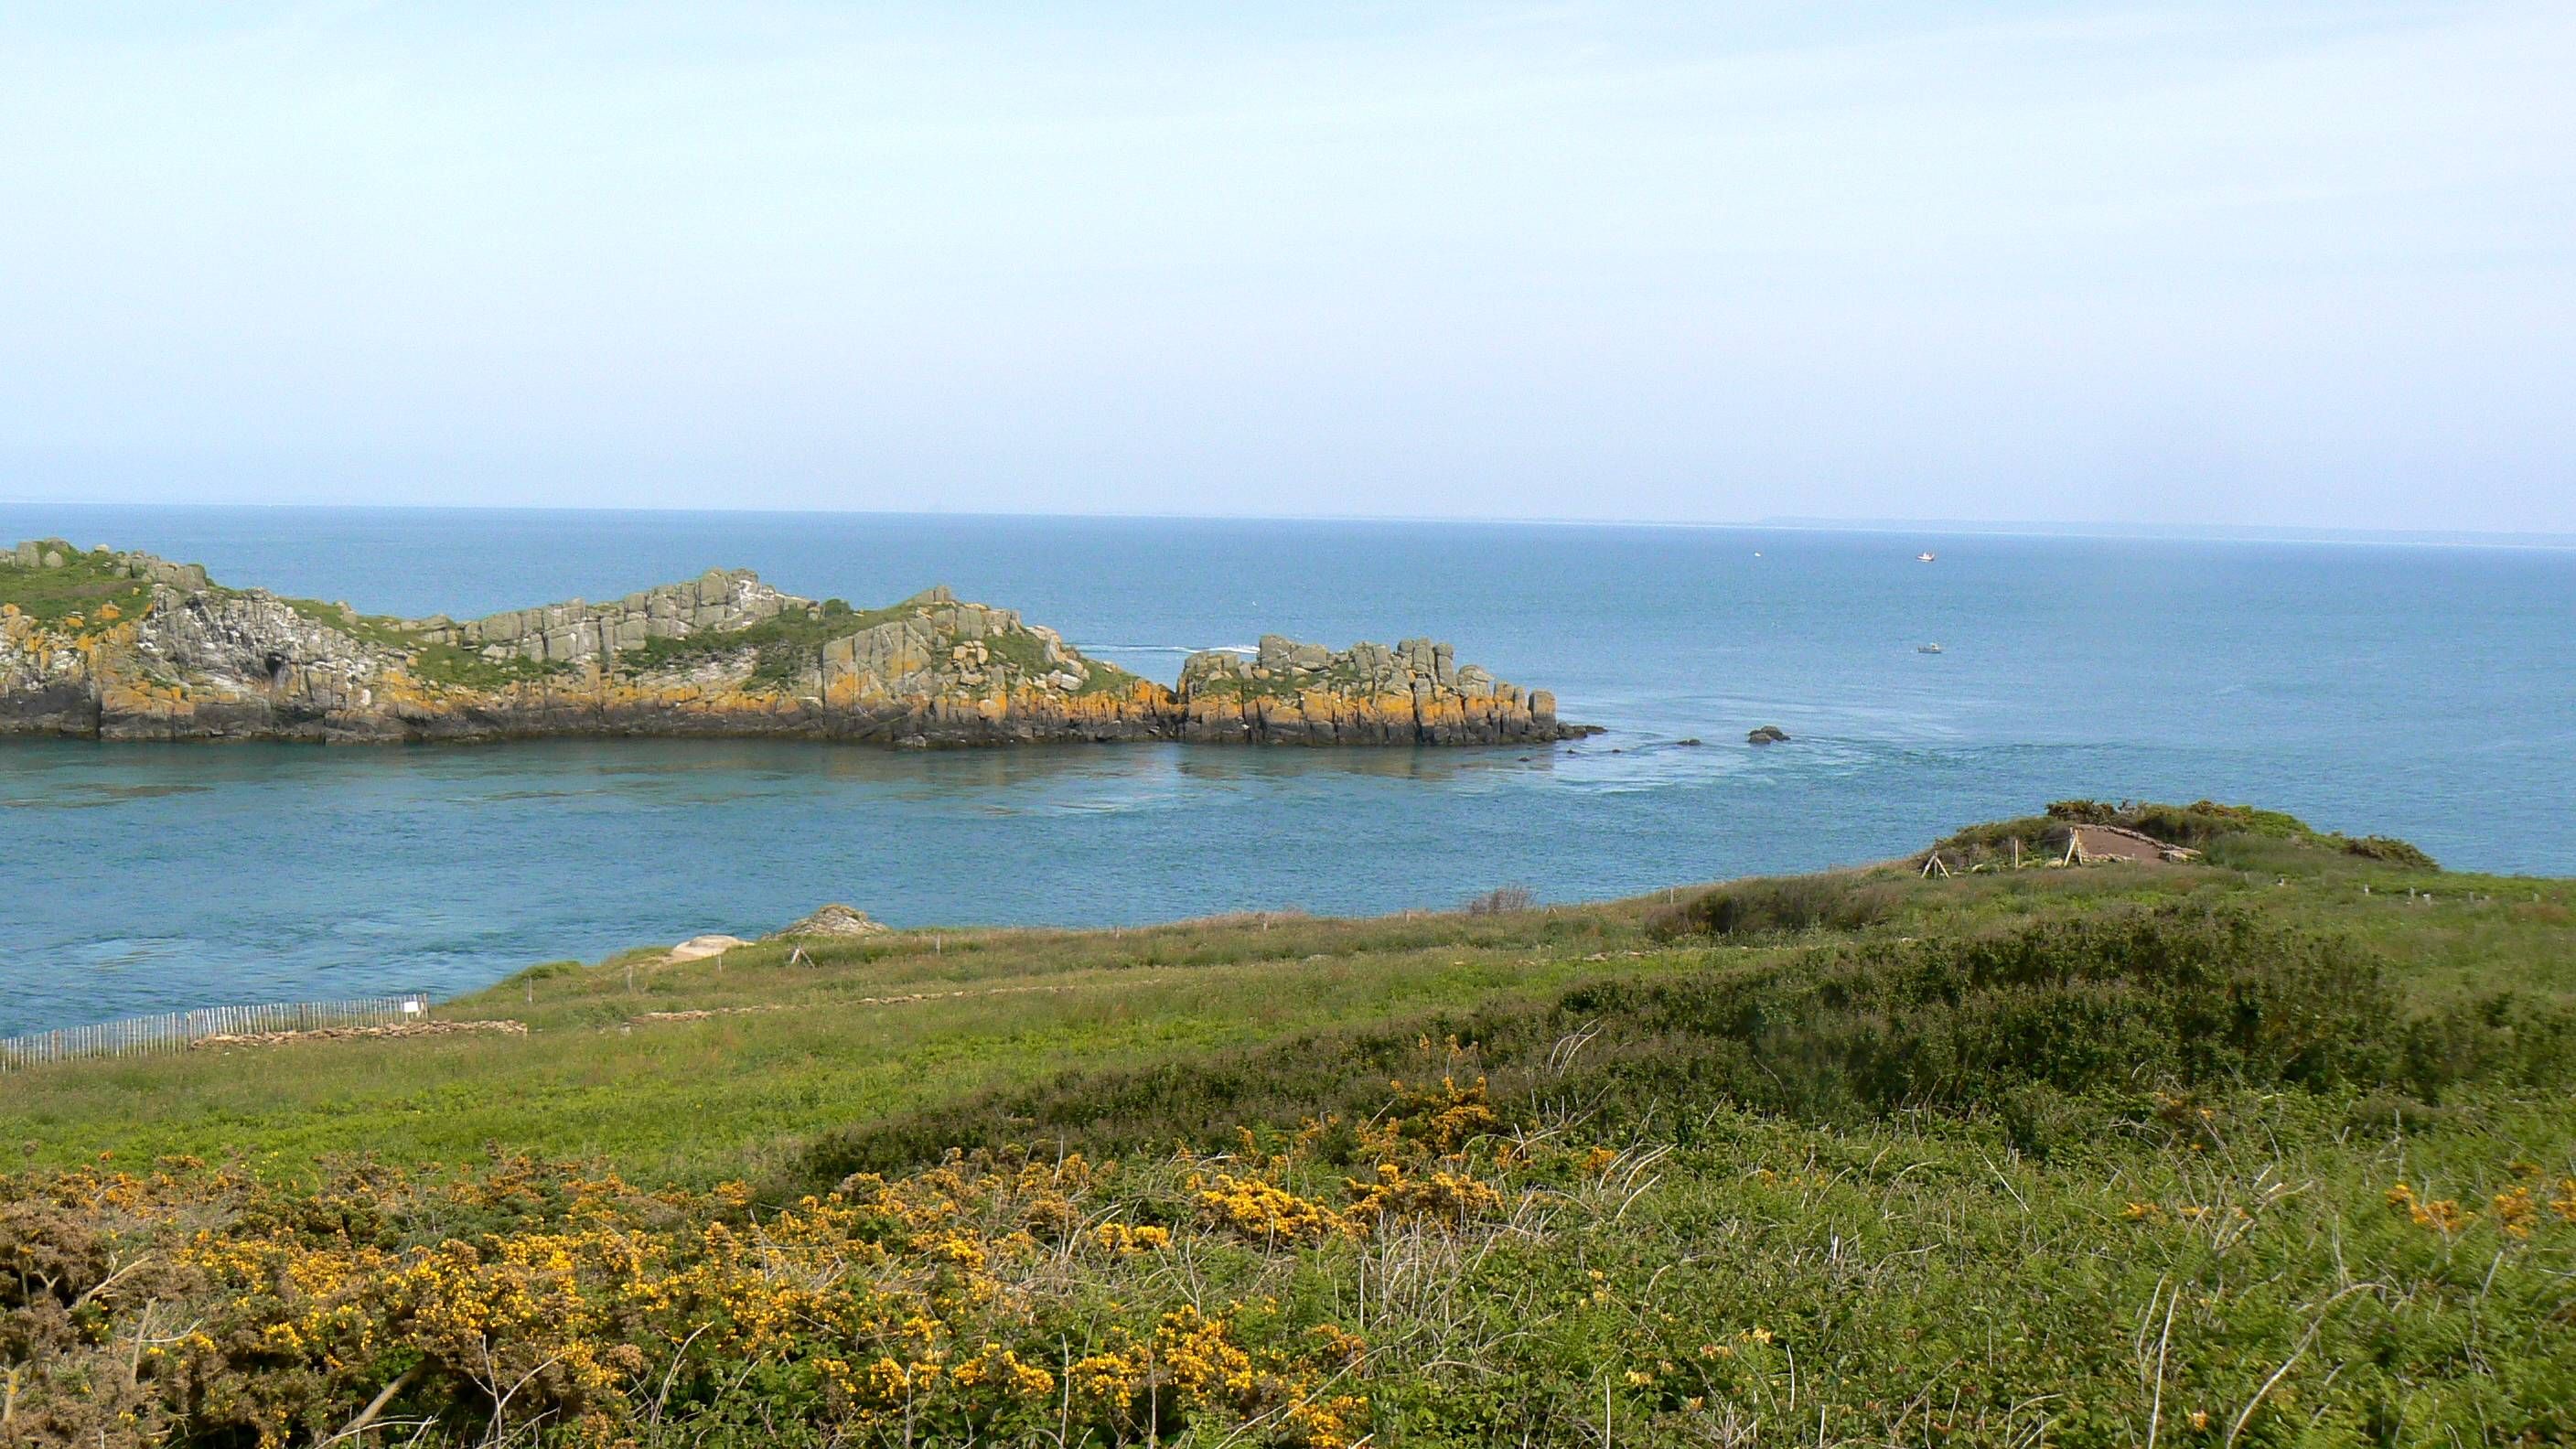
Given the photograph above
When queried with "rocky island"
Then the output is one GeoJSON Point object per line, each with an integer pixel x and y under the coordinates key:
{"type": "Point", "coordinates": [104, 644]}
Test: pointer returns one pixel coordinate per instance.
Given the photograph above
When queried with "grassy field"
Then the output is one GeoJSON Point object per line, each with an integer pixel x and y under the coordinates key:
{"type": "Point", "coordinates": [2275, 1147]}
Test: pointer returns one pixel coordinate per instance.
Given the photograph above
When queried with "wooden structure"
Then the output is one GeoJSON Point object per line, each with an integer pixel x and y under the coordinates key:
{"type": "Point", "coordinates": [2100, 844]}
{"type": "Point", "coordinates": [176, 1031]}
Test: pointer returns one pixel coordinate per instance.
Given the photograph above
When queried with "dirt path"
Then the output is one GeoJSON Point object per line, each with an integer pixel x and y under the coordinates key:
{"type": "Point", "coordinates": [708, 1013]}
{"type": "Point", "coordinates": [360, 1033]}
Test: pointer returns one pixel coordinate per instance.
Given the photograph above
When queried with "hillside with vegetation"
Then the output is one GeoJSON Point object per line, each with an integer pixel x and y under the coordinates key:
{"type": "Point", "coordinates": [2271, 1145]}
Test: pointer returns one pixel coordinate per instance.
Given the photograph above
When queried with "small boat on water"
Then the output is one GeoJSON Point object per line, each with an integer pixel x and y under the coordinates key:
{"type": "Point", "coordinates": [1927, 648]}
{"type": "Point", "coordinates": [1926, 556]}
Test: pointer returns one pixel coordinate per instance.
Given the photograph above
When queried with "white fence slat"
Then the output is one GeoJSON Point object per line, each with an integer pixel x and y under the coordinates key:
{"type": "Point", "coordinates": [173, 1031]}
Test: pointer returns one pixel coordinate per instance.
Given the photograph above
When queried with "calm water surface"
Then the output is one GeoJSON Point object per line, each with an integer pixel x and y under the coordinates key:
{"type": "Point", "coordinates": [2424, 692]}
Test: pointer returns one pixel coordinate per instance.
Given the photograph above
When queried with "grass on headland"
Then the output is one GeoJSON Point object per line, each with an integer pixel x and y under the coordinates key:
{"type": "Point", "coordinates": [92, 589]}
{"type": "Point", "coordinates": [789, 645]}
{"type": "Point", "coordinates": [783, 646]}
{"type": "Point", "coordinates": [2204, 1154]}
{"type": "Point", "coordinates": [2249, 837]}
{"type": "Point", "coordinates": [86, 582]}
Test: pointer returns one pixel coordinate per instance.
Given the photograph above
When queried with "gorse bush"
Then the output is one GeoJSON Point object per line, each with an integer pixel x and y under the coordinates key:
{"type": "Point", "coordinates": [2389, 850]}
{"type": "Point", "coordinates": [2193, 824]}
{"type": "Point", "coordinates": [2088, 812]}
{"type": "Point", "coordinates": [539, 1304]}
{"type": "Point", "coordinates": [1502, 900]}
{"type": "Point", "coordinates": [1841, 902]}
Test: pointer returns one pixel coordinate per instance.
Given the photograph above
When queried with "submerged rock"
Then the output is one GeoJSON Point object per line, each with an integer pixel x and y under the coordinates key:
{"type": "Point", "coordinates": [1767, 735]}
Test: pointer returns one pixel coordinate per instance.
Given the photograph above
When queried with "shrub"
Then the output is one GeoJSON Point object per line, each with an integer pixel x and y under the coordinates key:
{"type": "Point", "coordinates": [2390, 850]}
{"type": "Point", "coordinates": [2194, 824]}
{"type": "Point", "coordinates": [2038, 835]}
{"type": "Point", "coordinates": [537, 1303]}
{"type": "Point", "coordinates": [2052, 1028]}
{"type": "Point", "coordinates": [1842, 902]}
{"type": "Point", "coordinates": [1502, 901]}
{"type": "Point", "coordinates": [2106, 1007]}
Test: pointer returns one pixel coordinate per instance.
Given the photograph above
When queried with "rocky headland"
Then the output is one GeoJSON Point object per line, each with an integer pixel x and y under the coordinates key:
{"type": "Point", "coordinates": [124, 646]}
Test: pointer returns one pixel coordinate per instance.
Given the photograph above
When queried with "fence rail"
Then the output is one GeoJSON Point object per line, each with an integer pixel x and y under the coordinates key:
{"type": "Point", "coordinates": [175, 1031]}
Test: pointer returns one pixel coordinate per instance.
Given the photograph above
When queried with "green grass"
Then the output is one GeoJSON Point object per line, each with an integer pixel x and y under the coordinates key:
{"type": "Point", "coordinates": [702, 1100]}
{"type": "Point", "coordinates": [789, 645]}
{"type": "Point", "coordinates": [381, 630]}
{"type": "Point", "coordinates": [2068, 1156]}
{"type": "Point", "coordinates": [1024, 652]}
{"type": "Point", "coordinates": [84, 582]}
{"type": "Point", "coordinates": [1103, 677]}
{"type": "Point", "coordinates": [785, 645]}
{"type": "Point", "coordinates": [457, 667]}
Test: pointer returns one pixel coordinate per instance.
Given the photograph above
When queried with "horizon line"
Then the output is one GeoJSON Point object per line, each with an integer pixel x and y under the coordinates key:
{"type": "Point", "coordinates": [1799, 523]}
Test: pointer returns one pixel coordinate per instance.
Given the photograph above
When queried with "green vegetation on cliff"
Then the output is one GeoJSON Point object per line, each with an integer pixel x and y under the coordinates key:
{"type": "Point", "coordinates": [446, 664]}
{"type": "Point", "coordinates": [790, 645]}
{"type": "Point", "coordinates": [78, 585]}
{"type": "Point", "coordinates": [2271, 1148]}
{"type": "Point", "coordinates": [784, 647]}
{"type": "Point", "coordinates": [380, 630]}
{"type": "Point", "coordinates": [1024, 652]}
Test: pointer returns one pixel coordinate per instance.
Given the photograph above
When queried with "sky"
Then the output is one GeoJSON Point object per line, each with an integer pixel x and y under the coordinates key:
{"type": "Point", "coordinates": [2289, 264]}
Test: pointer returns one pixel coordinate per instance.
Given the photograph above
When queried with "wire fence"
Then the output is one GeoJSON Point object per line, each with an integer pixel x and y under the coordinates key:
{"type": "Point", "coordinates": [176, 1031]}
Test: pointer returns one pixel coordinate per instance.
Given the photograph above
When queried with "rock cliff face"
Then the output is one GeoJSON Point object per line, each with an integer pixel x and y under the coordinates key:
{"type": "Point", "coordinates": [1368, 694]}
{"type": "Point", "coordinates": [126, 646]}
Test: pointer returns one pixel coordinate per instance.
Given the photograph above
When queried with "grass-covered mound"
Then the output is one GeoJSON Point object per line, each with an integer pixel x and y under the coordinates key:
{"type": "Point", "coordinates": [2252, 836]}
{"type": "Point", "coordinates": [2264, 1153]}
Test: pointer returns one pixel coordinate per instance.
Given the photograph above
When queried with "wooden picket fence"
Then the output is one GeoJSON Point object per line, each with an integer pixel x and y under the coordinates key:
{"type": "Point", "coordinates": [173, 1031]}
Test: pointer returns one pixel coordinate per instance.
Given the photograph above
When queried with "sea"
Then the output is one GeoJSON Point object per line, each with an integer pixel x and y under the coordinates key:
{"type": "Point", "coordinates": [2421, 691]}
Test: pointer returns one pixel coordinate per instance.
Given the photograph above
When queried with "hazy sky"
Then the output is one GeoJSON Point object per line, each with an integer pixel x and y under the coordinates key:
{"type": "Point", "coordinates": [2262, 264]}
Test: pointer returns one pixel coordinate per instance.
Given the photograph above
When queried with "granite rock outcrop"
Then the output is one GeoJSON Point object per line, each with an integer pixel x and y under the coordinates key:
{"type": "Point", "coordinates": [1414, 693]}
{"type": "Point", "coordinates": [112, 645]}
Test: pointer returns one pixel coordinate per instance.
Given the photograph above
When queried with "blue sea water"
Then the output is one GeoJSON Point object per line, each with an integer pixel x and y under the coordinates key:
{"type": "Point", "coordinates": [2426, 692]}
